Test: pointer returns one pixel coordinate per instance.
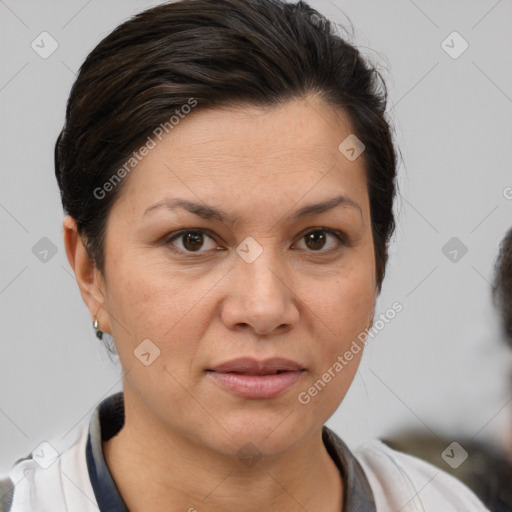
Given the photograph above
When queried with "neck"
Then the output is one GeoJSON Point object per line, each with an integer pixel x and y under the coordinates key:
{"type": "Point", "coordinates": [157, 470]}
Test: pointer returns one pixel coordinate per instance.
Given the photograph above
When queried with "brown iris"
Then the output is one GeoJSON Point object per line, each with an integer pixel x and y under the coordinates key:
{"type": "Point", "coordinates": [193, 240]}
{"type": "Point", "coordinates": [315, 240]}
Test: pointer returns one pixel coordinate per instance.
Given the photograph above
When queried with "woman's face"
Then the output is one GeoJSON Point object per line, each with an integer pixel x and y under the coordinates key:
{"type": "Point", "coordinates": [245, 283]}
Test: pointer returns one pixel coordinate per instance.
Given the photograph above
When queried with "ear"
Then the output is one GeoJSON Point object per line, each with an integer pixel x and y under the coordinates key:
{"type": "Point", "coordinates": [88, 277]}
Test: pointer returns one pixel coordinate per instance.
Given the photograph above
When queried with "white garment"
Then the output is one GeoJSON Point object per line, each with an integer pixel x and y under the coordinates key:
{"type": "Point", "coordinates": [64, 486]}
{"type": "Point", "coordinates": [400, 483]}
{"type": "Point", "coordinates": [404, 483]}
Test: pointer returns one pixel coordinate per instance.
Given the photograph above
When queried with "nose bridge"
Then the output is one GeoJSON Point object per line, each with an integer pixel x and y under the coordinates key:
{"type": "Point", "coordinates": [259, 269]}
{"type": "Point", "coordinates": [259, 296]}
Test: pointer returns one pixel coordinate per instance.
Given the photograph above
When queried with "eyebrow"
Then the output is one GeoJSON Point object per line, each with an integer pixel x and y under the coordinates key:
{"type": "Point", "coordinates": [209, 212]}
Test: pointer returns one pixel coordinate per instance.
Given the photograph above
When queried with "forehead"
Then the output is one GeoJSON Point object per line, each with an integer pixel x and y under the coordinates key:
{"type": "Point", "coordinates": [249, 152]}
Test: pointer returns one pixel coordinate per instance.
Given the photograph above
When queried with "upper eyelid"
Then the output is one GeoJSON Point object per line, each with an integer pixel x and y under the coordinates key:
{"type": "Point", "coordinates": [182, 232]}
{"type": "Point", "coordinates": [340, 236]}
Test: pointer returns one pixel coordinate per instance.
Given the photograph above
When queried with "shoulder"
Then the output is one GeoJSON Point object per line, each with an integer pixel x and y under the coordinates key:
{"type": "Point", "coordinates": [403, 482]}
{"type": "Point", "coordinates": [47, 480]}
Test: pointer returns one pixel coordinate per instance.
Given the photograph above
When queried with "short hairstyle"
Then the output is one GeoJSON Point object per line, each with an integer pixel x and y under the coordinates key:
{"type": "Point", "coordinates": [502, 285]}
{"type": "Point", "coordinates": [220, 53]}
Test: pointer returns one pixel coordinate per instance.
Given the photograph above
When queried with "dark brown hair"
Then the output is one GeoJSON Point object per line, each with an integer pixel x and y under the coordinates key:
{"type": "Point", "coordinates": [218, 52]}
{"type": "Point", "coordinates": [502, 285]}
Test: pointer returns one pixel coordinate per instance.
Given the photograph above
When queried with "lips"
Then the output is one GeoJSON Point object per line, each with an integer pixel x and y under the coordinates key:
{"type": "Point", "coordinates": [250, 378]}
{"type": "Point", "coordinates": [249, 366]}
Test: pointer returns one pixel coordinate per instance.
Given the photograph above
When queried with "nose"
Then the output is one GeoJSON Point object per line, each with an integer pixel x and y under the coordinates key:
{"type": "Point", "coordinates": [259, 298]}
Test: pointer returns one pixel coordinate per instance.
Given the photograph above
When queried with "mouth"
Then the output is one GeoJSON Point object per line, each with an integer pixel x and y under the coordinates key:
{"type": "Point", "coordinates": [263, 372]}
{"type": "Point", "coordinates": [250, 378]}
{"type": "Point", "coordinates": [251, 366]}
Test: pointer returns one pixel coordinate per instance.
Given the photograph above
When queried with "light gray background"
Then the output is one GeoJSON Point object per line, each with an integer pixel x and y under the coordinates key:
{"type": "Point", "coordinates": [439, 366]}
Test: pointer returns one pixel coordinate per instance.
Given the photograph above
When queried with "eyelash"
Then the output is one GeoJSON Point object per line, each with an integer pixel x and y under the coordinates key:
{"type": "Point", "coordinates": [341, 238]}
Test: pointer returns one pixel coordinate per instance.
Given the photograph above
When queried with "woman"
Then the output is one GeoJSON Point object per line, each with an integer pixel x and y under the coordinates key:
{"type": "Point", "coordinates": [228, 176]}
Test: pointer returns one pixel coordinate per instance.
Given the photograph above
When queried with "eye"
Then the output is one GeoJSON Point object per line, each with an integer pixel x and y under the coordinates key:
{"type": "Point", "coordinates": [192, 240]}
{"type": "Point", "coordinates": [317, 239]}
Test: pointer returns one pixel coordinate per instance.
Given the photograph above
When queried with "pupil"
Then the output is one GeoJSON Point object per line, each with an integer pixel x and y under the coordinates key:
{"type": "Point", "coordinates": [193, 241]}
{"type": "Point", "coordinates": [318, 239]}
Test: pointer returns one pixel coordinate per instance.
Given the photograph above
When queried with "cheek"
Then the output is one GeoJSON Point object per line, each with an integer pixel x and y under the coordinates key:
{"type": "Point", "coordinates": [139, 301]}
{"type": "Point", "coordinates": [346, 310]}
{"type": "Point", "coordinates": [343, 312]}
{"type": "Point", "coordinates": [345, 305]}
{"type": "Point", "coordinates": [165, 308]}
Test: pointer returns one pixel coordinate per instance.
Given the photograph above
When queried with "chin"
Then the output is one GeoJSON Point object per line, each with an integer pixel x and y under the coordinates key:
{"type": "Point", "coordinates": [270, 433]}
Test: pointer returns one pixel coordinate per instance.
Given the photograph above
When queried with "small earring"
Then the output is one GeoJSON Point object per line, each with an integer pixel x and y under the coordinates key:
{"type": "Point", "coordinates": [99, 333]}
